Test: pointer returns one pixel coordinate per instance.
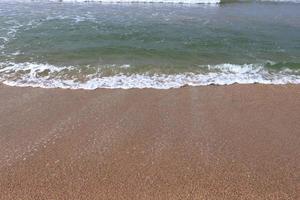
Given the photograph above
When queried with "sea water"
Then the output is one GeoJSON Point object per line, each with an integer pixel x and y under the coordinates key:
{"type": "Point", "coordinates": [88, 45]}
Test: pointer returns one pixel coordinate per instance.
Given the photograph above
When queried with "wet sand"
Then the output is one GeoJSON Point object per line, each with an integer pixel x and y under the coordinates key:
{"type": "Point", "coordinates": [213, 142]}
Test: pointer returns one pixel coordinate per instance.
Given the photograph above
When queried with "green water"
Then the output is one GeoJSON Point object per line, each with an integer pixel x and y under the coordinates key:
{"type": "Point", "coordinates": [170, 39]}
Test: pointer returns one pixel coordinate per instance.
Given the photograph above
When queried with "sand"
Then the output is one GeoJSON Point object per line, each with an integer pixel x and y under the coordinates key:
{"type": "Point", "coordinates": [212, 142]}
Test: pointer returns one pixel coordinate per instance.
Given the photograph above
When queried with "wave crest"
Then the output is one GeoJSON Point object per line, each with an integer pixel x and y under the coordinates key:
{"type": "Point", "coordinates": [134, 1]}
{"type": "Point", "coordinates": [49, 76]}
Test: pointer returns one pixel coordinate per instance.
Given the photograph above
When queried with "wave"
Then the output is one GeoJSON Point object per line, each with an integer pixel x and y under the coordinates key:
{"type": "Point", "coordinates": [164, 1]}
{"type": "Point", "coordinates": [50, 76]}
{"type": "Point", "coordinates": [138, 1]}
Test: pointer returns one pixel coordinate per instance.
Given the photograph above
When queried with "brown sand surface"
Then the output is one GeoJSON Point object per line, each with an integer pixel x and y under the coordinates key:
{"type": "Point", "coordinates": [213, 142]}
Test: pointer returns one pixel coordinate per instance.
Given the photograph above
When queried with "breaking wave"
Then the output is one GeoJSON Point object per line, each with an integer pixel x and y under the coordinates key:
{"type": "Point", "coordinates": [134, 1]}
{"type": "Point", "coordinates": [50, 76]}
{"type": "Point", "coordinates": [163, 1]}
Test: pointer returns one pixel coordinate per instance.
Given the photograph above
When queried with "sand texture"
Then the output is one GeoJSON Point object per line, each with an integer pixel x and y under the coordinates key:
{"type": "Point", "coordinates": [212, 142]}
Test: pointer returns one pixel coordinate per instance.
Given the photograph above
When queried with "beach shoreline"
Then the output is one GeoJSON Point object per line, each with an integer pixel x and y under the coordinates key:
{"type": "Point", "coordinates": [204, 142]}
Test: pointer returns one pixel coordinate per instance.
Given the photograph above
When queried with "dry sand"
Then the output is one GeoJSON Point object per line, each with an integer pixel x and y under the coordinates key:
{"type": "Point", "coordinates": [214, 142]}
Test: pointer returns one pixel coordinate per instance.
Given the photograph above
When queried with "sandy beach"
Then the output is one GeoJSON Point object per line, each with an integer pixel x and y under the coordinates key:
{"type": "Point", "coordinates": [211, 142]}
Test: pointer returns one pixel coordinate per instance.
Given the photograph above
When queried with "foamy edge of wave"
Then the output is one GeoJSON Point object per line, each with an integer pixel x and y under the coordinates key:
{"type": "Point", "coordinates": [212, 2]}
{"type": "Point", "coordinates": [224, 74]}
{"type": "Point", "coordinates": [133, 1]}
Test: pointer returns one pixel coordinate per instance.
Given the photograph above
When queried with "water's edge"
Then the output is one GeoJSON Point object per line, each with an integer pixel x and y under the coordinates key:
{"type": "Point", "coordinates": [50, 76]}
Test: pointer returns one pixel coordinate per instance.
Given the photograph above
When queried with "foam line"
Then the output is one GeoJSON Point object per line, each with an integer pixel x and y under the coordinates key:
{"type": "Point", "coordinates": [144, 1]}
{"type": "Point", "coordinates": [224, 74]}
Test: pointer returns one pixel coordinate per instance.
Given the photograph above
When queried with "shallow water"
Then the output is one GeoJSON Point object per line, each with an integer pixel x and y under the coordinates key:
{"type": "Point", "coordinates": [93, 45]}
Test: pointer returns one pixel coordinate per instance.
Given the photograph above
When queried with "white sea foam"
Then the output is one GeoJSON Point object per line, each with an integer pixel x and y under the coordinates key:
{"type": "Point", "coordinates": [155, 1]}
{"type": "Point", "coordinates": [223, 74]}
{"type": "Point", "coordinates": [145, 1]}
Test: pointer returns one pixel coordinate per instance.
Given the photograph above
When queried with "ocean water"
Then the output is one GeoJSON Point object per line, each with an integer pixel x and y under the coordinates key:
{"type": "Point", "coordinates": [148, 45]}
